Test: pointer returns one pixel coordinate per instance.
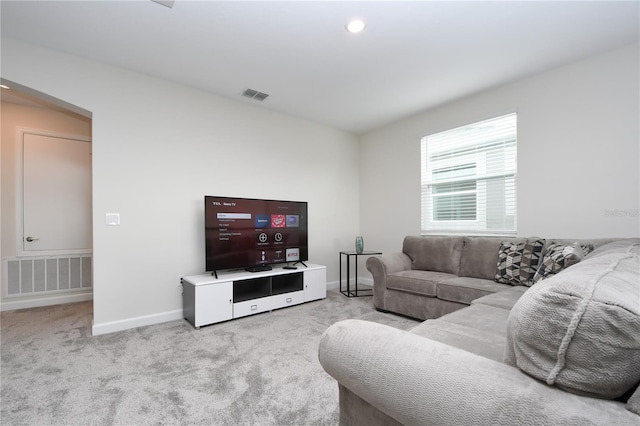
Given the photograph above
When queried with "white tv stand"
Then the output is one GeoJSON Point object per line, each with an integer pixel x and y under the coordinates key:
{"type": "Point", "coordinates": [234, 294]}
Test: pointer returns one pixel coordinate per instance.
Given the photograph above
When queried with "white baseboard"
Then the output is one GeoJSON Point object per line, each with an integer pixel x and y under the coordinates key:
{"type": "Point", "coordinates": [36, 302]}
{"type": "Point", "coordinates": [366, 281]}
{"type": "Point", "coordinates": [126, 324]}
{"type": "Point", "coordinates": [335, 285]}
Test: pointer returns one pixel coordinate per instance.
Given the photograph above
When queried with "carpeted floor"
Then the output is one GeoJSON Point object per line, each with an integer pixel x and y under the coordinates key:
{"type": "Point", "coordinates": [259, 370]}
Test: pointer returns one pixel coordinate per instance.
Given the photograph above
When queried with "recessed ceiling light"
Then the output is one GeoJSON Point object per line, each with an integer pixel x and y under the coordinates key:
{"type": "Point", "coordinates": [355, 25]}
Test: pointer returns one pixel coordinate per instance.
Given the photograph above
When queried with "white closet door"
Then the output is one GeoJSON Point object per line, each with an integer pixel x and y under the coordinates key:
{"type": "Point", "coordinates": [56, 194]}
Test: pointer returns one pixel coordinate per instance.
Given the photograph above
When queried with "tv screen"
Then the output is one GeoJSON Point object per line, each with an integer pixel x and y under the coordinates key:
{"type": "Point", "coordinates": [247, 233]}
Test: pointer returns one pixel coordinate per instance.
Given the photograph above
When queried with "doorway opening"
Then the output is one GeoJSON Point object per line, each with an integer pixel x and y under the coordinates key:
{"type": "Point", "coordinates": [46, 218]}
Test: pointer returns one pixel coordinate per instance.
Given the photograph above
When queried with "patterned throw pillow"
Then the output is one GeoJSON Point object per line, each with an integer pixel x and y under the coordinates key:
{"type": "Point", "coordinates": [518, 262]}
{"type": "Point", "coordinates": [586, 248]}
{"type": "Point", "coordinates": [558, 257]}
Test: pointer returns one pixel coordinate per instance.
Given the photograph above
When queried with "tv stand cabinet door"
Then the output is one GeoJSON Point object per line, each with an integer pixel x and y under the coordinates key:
{"type": "Point", "coordinates": [315, 284]}
{"type": "Point", "coordinates": [214, 303]}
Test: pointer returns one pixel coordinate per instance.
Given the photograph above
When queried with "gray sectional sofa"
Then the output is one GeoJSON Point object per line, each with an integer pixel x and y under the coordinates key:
{"type": "Point", "coordinates": [557, 341]}
{"type": "Point", "coordinates": [434, 275]}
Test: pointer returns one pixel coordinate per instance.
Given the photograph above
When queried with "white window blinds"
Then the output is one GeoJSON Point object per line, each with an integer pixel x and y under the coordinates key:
{"type": "Point", "coordinates": [469, 179]}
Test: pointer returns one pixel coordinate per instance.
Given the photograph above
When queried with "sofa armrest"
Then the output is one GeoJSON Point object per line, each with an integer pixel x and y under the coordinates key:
{"type": "Point", "coordinates": [419, 381]}
{"type": "Point", "coordinates": [380, 266]}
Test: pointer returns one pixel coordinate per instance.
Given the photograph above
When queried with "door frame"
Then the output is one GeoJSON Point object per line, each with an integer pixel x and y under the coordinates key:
{"type": "Point", "coordinates": [19, 187]}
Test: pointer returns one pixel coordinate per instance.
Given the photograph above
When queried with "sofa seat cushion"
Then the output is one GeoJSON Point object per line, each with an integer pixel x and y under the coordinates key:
{"type": "Point", "coordinates": [480, 329]}
{"type": "Point", "coordinates": [466, 289]}
{"type": "Point", "coordinates": [417, 282]}
{"type": "Point", "coordinates": [504, 299]}
{"type": "Point", "coordinates": [580, 329]}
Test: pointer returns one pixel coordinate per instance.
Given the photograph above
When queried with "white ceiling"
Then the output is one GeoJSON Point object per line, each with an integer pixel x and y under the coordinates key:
{"type": "Point", "coordinates": [413, 55]}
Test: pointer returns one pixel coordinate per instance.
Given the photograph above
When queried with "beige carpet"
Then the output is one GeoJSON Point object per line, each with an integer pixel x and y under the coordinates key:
{"type": "Point", "coordinates": [259, 370]}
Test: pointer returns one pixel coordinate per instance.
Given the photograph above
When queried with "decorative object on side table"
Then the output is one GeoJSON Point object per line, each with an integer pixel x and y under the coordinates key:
{"type": "Point", "coordinates": [359, 244]}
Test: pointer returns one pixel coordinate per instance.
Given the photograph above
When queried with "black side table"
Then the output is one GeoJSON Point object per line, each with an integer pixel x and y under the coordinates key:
{"type": "Point", "coordinates": [355, 291]}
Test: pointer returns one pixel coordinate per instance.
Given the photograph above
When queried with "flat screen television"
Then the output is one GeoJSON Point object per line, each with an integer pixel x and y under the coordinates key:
{"type": "Point", "coordinates": [253, 233]}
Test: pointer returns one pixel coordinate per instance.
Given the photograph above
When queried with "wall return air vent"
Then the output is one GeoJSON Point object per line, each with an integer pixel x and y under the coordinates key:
{"type": "Point", "coordinates": [254, 94]}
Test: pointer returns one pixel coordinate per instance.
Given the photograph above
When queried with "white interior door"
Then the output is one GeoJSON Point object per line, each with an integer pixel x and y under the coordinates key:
{"type": "Point", "coordinates": [56, 194]}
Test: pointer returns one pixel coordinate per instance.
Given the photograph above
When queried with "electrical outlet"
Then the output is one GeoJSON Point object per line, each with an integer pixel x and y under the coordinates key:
{"type": "Point", "coordinates": [180, 280]}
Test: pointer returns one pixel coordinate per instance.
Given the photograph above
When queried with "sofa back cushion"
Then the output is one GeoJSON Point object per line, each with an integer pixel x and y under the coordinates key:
{"type": "Point", "coordinates": [612, 247]}
{"type": "Point", "coordinates": [439, 254]}
{"type": "Point", "coordinates": [580, 329]}
{"type": "Point", "coordinates": [480, 256]}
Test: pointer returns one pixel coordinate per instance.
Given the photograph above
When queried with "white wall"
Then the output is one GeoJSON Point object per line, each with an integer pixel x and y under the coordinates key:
{"type": "Point", "coordinates": [578, 154]}
{"type": "Point", "coordinates": [158, 148]}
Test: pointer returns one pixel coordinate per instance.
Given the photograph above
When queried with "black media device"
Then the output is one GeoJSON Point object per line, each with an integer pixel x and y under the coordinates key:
{"type": "Point", "coordinates": [253, 234]}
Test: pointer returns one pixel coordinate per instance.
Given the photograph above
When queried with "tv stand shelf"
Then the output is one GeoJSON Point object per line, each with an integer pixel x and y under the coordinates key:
{"type": "Point", "coordinates": [207, 299]}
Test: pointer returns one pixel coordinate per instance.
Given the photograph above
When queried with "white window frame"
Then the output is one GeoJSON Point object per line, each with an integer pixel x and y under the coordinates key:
{"type": "Point", "coordinates": [441, 155]}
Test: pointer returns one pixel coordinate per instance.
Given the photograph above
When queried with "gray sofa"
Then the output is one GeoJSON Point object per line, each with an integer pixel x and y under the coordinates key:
{"type": "Point", "coordinates": [559, 348]}
{"type": "Point", "coordinates": [434, 275]}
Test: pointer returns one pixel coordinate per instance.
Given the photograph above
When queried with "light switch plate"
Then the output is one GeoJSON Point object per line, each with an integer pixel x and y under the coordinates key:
{"type": "Point", "coordinates": [112, 219]}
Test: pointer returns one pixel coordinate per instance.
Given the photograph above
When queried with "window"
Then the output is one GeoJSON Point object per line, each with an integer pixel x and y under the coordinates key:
{"type": "Point", "coordinates": [469, 179]}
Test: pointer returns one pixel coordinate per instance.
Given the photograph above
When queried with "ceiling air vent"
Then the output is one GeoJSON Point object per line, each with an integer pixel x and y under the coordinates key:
{"type": "Point", "coordinates": [254, 94]}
